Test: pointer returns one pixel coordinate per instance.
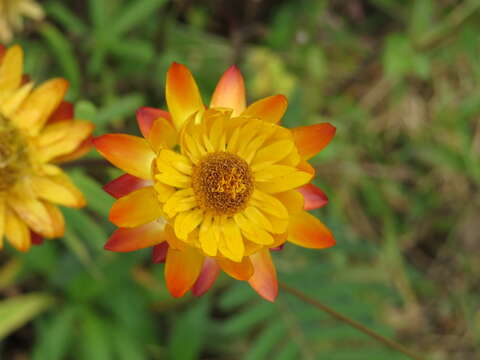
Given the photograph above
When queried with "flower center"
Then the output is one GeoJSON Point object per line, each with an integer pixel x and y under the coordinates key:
{"type": "Point", "coordinates": [222, 183]}
{"type": "Point", "coordinates": [13, 154]}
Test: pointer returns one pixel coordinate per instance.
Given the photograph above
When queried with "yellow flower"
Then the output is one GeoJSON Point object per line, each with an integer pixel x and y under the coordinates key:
{"type": "Point", "coordinates": [36, 133]}
{"type": "Point", "coordinates": [11, 12]}
{"type": "Point", "coordinates": [215, 188]}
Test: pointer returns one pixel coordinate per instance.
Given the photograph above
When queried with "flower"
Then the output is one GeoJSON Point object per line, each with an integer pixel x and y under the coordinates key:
{"type": "Point", "coordinates": [11, 12]}
{"type": "Point", "coordinates": [36, 133]}
{"type": "Point", "coordinates": [215, 188]}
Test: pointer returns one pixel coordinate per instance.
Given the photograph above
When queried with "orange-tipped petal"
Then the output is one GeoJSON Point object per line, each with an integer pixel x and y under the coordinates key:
{"type": "Point", "coordinates": [182, 269]}
{"type": "Point", "coordinates": [137, 208]}
{"type": "Point", "coordinates": [63, 112]}
{"type": "Point", "coordinates": [40, 104]}
{"type": "Point", "coordinates": [125, 184]}
{"type": "Point", "coordinates": [129, 153]}
{"type": "Point", "coordinates": [312, 139]}
{"type": "Point", "coordinates": [125, 240]}
{"type": "Point", "coordinates": [264, 278]}
{"type": "Point", "coordinates": [207, 277]}
{"type": "Point", "coordinates": [182, 94]}
{"type": "Point", "coordinates": [230, 91]}
{"type": "Point", "coordinates": [238, 270]}
{"type": "Point", "coordinates": [162, 135]}
{"type": "Point", "coordinates": [147, 115]}
{"type": "Point", "coordinates": [314, 197]}
{"type": "Point", "coordinates": [159, 252]}
{"type": "Point", "coordinates": [307, 231]}
{"type": "Point", "coordinates": [270, 109]}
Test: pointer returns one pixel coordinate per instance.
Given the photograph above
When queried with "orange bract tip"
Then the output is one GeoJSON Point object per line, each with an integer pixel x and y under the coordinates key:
{"type": "Point", "coordinates": [129, 153]}
{"type": "Point", "coordinates": [182, 269]}
{"type": "Point", "coordinates": [182, 94]}
{"type": "Point", "coordinates": [137, 208]}
{"type": "Point", "coordinates": [230, 91]}
{"type": "Point", "coordinates": [307, 231]}
{"type": "Point", "coordinates": [264, 278]}
{"type": "Point", "coordinates": [314, 197]}
{"type": "Point", "coordinates": [270, 109]}
{"type": "Point", "coordinates": [147, 115]}
{"type": "Point", "coordinates": [312, 139]}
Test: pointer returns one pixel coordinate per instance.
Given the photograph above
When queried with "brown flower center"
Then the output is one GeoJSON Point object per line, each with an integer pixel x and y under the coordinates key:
{"type": "Point", "coordinates": [222, 183]}
{"type": "Point", "coordinates": [13, 154]}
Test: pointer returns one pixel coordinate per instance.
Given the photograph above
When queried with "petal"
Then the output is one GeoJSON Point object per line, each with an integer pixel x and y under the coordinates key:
{"type": "Point", "coordinates": [207, 277]}
{"type": "Point", "coordinates": [270, 109]}
{"type": "Point", "coordinates": [162, 135]}
{"type": "Point", "coordinates": [11, 69]}
{"type": "Point", "coordinates": [16, 232]}
{"type": "Point", "coordinates": [230, 91]}
{"type": "Point", "coordinates": [3, 209]}
{"type": "Point", "coordinates": [147, 115]}
{"type": "Point", "coordinates": [36, 239]}
{"type": "Point", "coordinates": [286, 182]}
{"type": "Point", "coordinates": [33, 213]}
{"type": "Point", "coordinates": [125, 184]}
{"type": "Point", "coordinates": [182, 269]}
{"type": "Point", "coordinates": [307, 231]}
{"type": "Point", "coordinates": [125, 239]}
{"type": "Point", "coordinates": [84, 147]}
{"type": "Point", "coordinates": [58, 189]}
{"type": "Point", "coordinates": [62, 138]}
{"type": "Point", "coordinates": [137, 208]}
{"type": "Point", "coordinates": [238, 270]}
{"type": "Point", "coordinates": [311, 139]}
{"type": "Point", "coordinates": [182, 94]}
{"type": "Point", "coordinates": [293, 200]}
{"type": "Point", "coordinates": [57, 220]}
{"type": "Point", "coordinates": [264, 278]}
{"type": "Point", "coordinates": [63, 112]}
{"type": "Point", "coordinates": [129, 153]}
{"type": "Point", "coordinates": [159, 252]}
{"type": "Point", "coordinates": [42, 102]}
{"type": "Point", "coordinates": [314, 197]}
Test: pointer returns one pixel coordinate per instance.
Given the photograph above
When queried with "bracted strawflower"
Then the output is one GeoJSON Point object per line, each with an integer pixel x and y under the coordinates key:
{"type": "Point", "coordinates": [12, 13]}
{"type": "Point", "coordinates": [215, 188]}
{"type": "Point", "coordinates": [36, 134]}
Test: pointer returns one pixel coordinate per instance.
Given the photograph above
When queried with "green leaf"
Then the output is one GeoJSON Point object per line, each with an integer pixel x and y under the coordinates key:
{"type": "Point", "coordinates": [66, 17]}
{"type": "Point", "coordinates": [56, 336]}
{"type": "Point", "coordinates": [191, 325]}
{"type": "Point", "coordinates": [63, 51]}
{"type": "Point", "coordinates": [119, 109]}
{"type": "Point", "coordinates": [17, 311]}
{"type": "Point", "coordinates": [134, 15]}
{"type": "Point", "coordinates": [95, 339]}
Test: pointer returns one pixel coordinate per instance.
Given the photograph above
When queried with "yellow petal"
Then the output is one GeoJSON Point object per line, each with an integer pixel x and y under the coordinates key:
{"type": "Point", "coordinates": [186, 222]}
{"type": "Point", "coordinates": [207, 238]}
{"type": "Point", "coordinates": [2, 221]}
{"type": "Point", "coordinates": [181, 200]}
{"type": "Point", "coordinates": [238, 270]}
{"type": "Point", "coordinates": [33, 213]}
{"type": "Point", "coordinates": [182, 94]}
{"type": "Point", "coordinates": [56, 219]}
{"type": "Point", "coordinates": [233, 240]}
{"type": "Point", "coordinates": [12, 103]}
{"type": "Point", "coordinates": [269, 204]}
{"type": "Point", "coordinates": [285, 182]}
{"type": "Point", "coordinates": [251, 231]}
{"type": "Point", "coordinates": [162, 135]}
{"type": "Point", "coordinates": [17, 232]}
{"type": "Point", "coordinates": [41, 103]}
{"type": "Point", "coordinates": [11, 69]}
{"type": "Point", "coordinates": [274, 152]}
{"type": "Point", "coordinates": [58, 190]}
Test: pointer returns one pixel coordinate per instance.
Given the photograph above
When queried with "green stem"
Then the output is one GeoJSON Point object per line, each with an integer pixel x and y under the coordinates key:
{"type": "Point", "coordinates": [388, 342]}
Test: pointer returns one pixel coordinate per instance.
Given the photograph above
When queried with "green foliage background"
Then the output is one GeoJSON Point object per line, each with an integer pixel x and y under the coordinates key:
{"type": "Point", "coordinates": [401, 82]}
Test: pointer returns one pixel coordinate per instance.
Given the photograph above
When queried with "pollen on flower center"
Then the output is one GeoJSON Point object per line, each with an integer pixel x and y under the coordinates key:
{"type": "Point", "coordinates": [13, 154]}
{"type": "Point", "coordinates": [222, 183]}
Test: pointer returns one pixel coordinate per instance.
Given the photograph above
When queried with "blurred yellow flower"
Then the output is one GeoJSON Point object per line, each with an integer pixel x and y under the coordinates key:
{"type": "Point", "coordinates": [215, 188]}
{"type": "Point", "coordinates": [11, 16]}
{"type": "Point", "coordinates": [36, 133]}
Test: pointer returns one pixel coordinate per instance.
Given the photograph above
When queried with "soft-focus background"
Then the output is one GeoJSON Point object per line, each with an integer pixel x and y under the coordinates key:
{"type": "Point", "coordinates": [401, 82]}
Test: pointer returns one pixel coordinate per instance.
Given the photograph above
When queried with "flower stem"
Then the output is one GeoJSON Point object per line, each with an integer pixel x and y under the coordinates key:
{"type": "Point", "coordinates": [388, 342]}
